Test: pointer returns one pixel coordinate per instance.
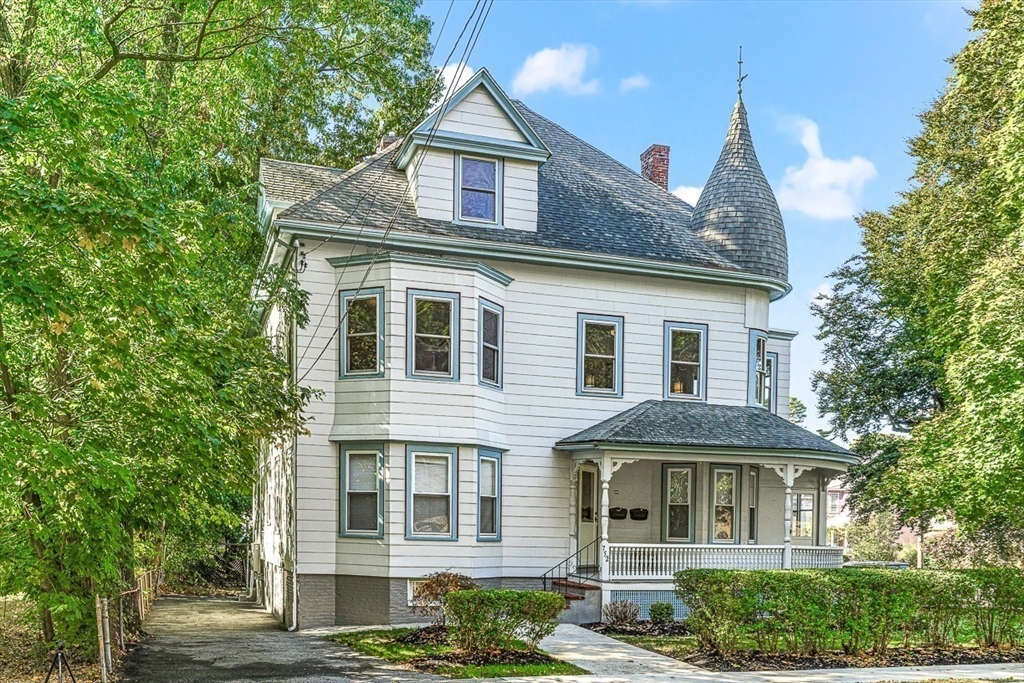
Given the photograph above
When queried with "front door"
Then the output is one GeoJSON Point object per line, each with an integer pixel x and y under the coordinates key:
{"type": "Point", "coordinates": [588, 515]}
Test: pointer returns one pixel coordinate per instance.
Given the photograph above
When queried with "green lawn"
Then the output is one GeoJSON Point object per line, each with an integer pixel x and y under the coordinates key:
{"type": "Point", "coordinates": [670, 646]}
{"type": "Point", "coordinates": [382, 644]}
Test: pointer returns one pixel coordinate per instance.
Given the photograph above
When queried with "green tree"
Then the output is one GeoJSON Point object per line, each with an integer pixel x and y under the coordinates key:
{"type": "Point", "coordinates": [797, 411]}
{"type": "Point", "coordinates": [873, 539]}
{"type": "Point", "coordinates": [136, 389]}
{"type": "Point", "coordinates": [924, 334]}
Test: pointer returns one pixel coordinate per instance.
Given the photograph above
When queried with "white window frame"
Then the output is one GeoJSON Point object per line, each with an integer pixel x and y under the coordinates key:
{"type": "Point", "coordinates": [490, 307]}
{"type": "Point", "coordinates": [618, 322]}
{"type": "Point", "coordinates": [495, 457]}
{"type": "Point", "coordinates": [451, 453]}
{"type": "Point", "coordinates": [498, 194]}
{"type": "Point", "coordinates": [667, 471]}
{"type": "Point", "coordinates": [798, 499]}
{"type": "Point", "coordinates": [346, 298]}
{"type": "Point", "coordinates": [834, 509]}
{"type": "Point", "coordinates": [346, 483]}
{"type": "Point", "coordinates": [769, 393]}
{"type": "Point", "coordinates": [702, 378]}
{"type": "Point", "coordinates": [753, 493]}
{"type": "Point", "coordinates": [736, 507]}
{"type": "Point", "coordinates": [453, 301]}
{"type": "Point", "coordinates": [757, 365]}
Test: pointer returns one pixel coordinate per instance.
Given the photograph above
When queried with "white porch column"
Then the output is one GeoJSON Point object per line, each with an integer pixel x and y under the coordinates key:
{"type": "Point", "coordinates": [787, 520]}
{"type": "Point", "coordinates": [606, 477]}
{"type": "Point", "coordinates": [574, 477]}
{"type": "Point", "coordinates": [789, 472]}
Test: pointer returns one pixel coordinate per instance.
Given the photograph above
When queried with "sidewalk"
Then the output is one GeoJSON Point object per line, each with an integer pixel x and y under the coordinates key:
{"type": "Point", "coordinates": [612, 661]}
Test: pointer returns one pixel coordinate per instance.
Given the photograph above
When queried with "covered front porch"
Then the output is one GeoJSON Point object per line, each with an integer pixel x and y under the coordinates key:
{"type": "Point", "coordinates": [668, 486]}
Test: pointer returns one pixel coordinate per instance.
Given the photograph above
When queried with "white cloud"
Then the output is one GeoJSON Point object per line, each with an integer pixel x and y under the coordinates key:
{"type": "Point", "coordinates": [460, 72]}
{"type": "Point", "coordinates": [823, 188]}
{"type": "Point", "coordinates": [634, 82]}
{"type": "Point", "coordinates": [688, 194]}
{"type": "Point", "coordinates": [561, 68]}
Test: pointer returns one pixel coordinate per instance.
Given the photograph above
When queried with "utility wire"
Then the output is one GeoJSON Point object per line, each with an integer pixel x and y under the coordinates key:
{"type": "Point", "coordinates": [474, 36]}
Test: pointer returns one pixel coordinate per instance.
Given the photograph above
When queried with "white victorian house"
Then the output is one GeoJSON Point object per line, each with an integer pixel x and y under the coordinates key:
{"type": "Point", "coordinates": [535, 367]}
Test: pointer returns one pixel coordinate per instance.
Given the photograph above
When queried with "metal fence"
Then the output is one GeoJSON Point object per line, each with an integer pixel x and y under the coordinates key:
{"type": "Point", "coordinates": [121, 618]}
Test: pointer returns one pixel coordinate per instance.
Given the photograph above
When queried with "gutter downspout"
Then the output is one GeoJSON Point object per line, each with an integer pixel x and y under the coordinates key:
{"type": "Point", "coordinates": [295, 472]}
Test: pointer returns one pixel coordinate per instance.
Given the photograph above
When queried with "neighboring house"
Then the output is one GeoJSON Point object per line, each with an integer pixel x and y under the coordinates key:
{"type": "Point", "coordinates": [538, 368]}
{"type": "Point", "coordinates": [837, 515]}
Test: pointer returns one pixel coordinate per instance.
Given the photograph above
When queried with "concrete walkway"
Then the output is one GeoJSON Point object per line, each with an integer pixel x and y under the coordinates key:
{"type": "Point", "coordinates": [218, 640]}
{"type": "Point", "coordinates": [612, 661]}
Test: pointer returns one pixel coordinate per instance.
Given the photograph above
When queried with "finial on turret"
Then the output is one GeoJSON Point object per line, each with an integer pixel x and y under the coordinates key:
{"type": "Point", "coordinates": [740, 77]}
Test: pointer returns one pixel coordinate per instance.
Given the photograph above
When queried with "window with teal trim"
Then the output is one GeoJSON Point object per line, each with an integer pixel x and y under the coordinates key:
{"type": "Point", "coordinates": [489, 497]}
{"type": "Point", "coordinates": [362, 333]}
{"type": "Point", "coordinates": [479, 188]}
{"type": "Point", "coordinates": [432, 496]}
{"type": "Point", "coordinates": [433, 339]}
{"type": "Point", "coordinates": [362, 492]}
{"type": "Point", "coordinates": [599, 355]}
{"type": "Point", "coordinates": [491, 352]}
{"type": "Point", "coordinates": [758, 370]}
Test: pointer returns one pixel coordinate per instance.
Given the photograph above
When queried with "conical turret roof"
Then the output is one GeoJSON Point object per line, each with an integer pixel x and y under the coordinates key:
{"type": "Point", "coordinates": [737, 213]}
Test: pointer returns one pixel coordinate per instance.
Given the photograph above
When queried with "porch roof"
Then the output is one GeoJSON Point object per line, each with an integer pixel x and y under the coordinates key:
{"type": "Point", "coordinates": [703, 425]}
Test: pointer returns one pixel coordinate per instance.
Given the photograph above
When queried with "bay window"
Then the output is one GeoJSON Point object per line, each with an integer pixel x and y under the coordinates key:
{"type": "Point", "coordinates": [430, 483]}
{"type": "Point", "coordinates": [362, 333]}
{"type": "Point", "coordinates": [362, 491]}
{"type": "Point", "coordinates": [489, 496]}
{"type": "Point", "coordinates": [433, 335]}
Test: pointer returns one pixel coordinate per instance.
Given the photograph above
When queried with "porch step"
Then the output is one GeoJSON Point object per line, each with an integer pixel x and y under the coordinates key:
{"type": "Point", "coordinates": [575, 585]}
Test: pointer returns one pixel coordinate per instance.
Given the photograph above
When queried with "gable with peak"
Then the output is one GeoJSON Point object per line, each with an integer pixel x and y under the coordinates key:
{"type": "Point", "coordinates": [478, 121]}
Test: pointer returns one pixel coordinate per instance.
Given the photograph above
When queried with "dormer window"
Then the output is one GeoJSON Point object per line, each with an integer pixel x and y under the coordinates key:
{"type": "Point", "coordinates": [479, 188]}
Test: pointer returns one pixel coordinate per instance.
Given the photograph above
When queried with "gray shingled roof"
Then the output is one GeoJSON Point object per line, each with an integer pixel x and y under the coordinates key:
{"type": "Point", "coordinates": [693, 424]}
{"type": "Point", "coordinates": [737, 213]}
{"type": "Point", "coordinates": [587, 202]}
{"type": "Point", "coordinates": [287, 181]}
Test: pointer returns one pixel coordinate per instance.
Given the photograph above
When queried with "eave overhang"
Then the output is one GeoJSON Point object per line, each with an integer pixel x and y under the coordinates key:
{"type": "Point", "coordinates": [711, 452]}
{"type": "Point", "coordinates": [445, 245]}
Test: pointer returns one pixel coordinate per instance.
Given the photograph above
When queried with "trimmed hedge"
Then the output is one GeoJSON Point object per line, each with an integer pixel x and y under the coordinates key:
{"type": "Point", "coordinates": [482, 620]}
{"type": "Point", "coordinates": [854, 610]}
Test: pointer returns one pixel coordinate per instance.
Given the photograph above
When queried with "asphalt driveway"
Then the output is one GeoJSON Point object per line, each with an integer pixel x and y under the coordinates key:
{"type": "Point", "coordinates": [219, 640]}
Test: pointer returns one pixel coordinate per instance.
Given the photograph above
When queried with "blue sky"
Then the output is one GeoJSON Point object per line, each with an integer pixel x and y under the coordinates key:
{"type": "Point", "coordinates": [833, 93]}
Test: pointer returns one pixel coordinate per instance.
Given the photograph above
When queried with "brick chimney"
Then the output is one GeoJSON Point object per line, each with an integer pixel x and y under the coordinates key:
{"type": "Point", "coordinates": [654, 165]}
{"type": "Point", "coordinates": [386, 141]}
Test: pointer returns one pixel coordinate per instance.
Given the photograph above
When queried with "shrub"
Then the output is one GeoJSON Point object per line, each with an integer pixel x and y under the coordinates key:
{"type": "Point", "coordinates": [429, 596]}
{"type": "Point", "coordinates": [483, 620]}
{"type": "Point", "coordinates": [717, 606]}
{"type": "Point", "coordinates": [662, 612]}
{"type": "Point", "coordinates": [997, 610]}
{"type": "Point", "coordinates": [621, 613]}
{"type": "Point", "coordinates": [853, 609]}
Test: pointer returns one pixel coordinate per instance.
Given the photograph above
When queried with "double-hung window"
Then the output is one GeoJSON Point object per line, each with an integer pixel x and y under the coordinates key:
{"type": "Point", "coordinates": [771, 364]}
{"type": "Point", "coordinates": [479, 184]}
{"type": "Point", "coordinates": [685, 360]}
{"type": "Point", "coordinates": [489, 496]}
{"type": "Point", "coordinates": [599, 355]}
{"type": "Point", "coordinates": [678, 496]}
{"type": "Point", "coordinates": [491, 351]}
{"type": "Point", "coordinates": [430, 482]}
{"type": "Point", "coordinates": [362, 491]}
{"type": "Point", "coordinates": [362, 333]}
{"type": "Point", "coordinates": [724, 503]}
{"type": "Point", "coordinates": [752, 506]}
{"type": "Point", "coordinates": [833, 503]}
{"type": "Point", "coordinates": [433, 335]}
{"type": "Point", "coordinates": [758, 367]}
{"type": "Point", "coordinates": [803, 515]}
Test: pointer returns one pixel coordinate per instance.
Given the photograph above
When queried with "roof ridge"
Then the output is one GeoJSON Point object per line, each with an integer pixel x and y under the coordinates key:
{"type": "Point", "coordinates": [519, 103]}
{"type": "Point", "coordinates": [627, 415]}
{"type": "Point", "coordinates": [301, 163]}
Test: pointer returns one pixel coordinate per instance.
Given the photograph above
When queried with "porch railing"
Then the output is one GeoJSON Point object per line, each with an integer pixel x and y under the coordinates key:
{"type": "Point", "coordinates": [651, 562]}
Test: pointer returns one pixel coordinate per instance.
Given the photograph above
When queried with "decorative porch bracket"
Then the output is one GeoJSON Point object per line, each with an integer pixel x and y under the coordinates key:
{"type": "Point", "coordinates": [789, 473]}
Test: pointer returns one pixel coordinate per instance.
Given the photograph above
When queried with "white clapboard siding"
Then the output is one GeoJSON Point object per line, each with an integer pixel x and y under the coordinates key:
{"type": "Point", "coordinates": [537, 406]}
{"type": "Point", "coordinates": [433, 173]}
{"type": "Point", "coordinates": [519, 195]}
{"type": "Point", "coordinates": [477, 114]}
